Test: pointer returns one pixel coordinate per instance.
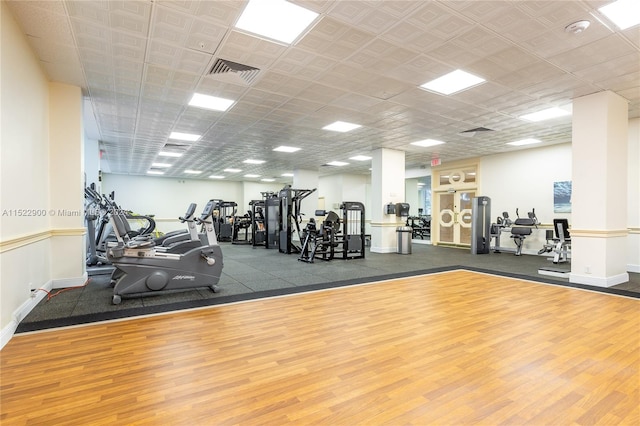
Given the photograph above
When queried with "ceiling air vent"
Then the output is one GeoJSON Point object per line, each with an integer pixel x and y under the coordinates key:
{"type": "Point", "coordinates": [472, 132]}
{"type": "Point", "coordinates": [224, 68]}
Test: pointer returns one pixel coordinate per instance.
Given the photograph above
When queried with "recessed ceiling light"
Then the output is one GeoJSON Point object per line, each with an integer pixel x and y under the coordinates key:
{"type": "Point", "coordinates": [216, 177]}
{"type": "Point", "coordinates": [184, 136]}
{"type": "Point", "coordinates": [524, 142]}
{"type": "Point", "coordinates": [545, 114]}
{"type": "Point", "coordinates": [252, 176]}
{"type": "Point", "coordinates": [232, 170]}
{"type": "Point", "coordinates": [170, 154]}
{"type": "Point", "coordinates": [341, 126]}
{"type": "Point", "coordinates": [287, 174]}
{"type": "Point", "coordinates": [267, 180]}
{"type": "Point", "coordinates": [453, 82]}
{"type": "Point", "coordinates": [154, 172]}
{"type": "Point", "coordinates": [427, 142]}
{"type": "Point", "coordinates": [250, 161]}
{"type": "Point", "coordinates": [210, 102]}
{"type": "Point", "coordinates": [160, 165]}
{"type": "Point", "coordinates": [283, 148]}
{"type": "Point", "coordinates": [623, 13]}
{"type": "Point", "coordinates": [276, 19]}
{"type": "Point", "coordinates": [337, 163]}
{"type": "Point", "coordinates": [193, 172]}
{"type": "Point", "coordinates": [360, 158]}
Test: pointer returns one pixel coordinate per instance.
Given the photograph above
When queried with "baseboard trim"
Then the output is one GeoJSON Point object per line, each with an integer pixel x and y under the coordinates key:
{"type": "Point", "coordinates": [40, 293]}
{"type": "Point", "coordinates": [383, 249]}
{"type": "Point", "coordinates": [633, 268]}
{"type": "Point", "coordinates": [23, 310]}
{"type": "Point", "coordinates": [599, 281]}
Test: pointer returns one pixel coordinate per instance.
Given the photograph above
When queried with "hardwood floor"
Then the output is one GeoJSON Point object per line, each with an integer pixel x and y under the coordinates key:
{"type": "Point", "coordinates": [451, 348]}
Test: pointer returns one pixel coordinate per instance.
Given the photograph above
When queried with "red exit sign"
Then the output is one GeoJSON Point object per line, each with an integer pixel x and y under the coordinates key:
{"type": "Point", "coordinates": [435, 162]}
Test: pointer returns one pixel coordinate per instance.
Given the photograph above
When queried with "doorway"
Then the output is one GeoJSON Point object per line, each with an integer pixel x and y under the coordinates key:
{"type": "Point", "coordinates": [454, 217]}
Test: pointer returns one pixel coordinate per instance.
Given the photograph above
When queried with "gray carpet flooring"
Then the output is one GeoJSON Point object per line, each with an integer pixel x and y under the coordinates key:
{"type": "Point", "coordinates": [255, 272]}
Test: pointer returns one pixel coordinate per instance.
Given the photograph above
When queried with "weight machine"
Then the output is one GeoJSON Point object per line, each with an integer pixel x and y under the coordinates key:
{"type": "Point", "coordinates": [344, 237]}
{"type": "Point", "coordinates": [258, 229]}
{"type": "Point", "coordinates": [519, 229]}
{"type": "Point", "coordinates": [224, 211]}
{"type": "Point", "coordinates": [283, 217]}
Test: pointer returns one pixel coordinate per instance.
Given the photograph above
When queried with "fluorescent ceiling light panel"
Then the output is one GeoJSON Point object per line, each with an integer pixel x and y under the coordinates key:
{"type": "Point", "coordinates": [337, 163]}
{"type": "Point", "coordinates": [275, 19]}
{"type": "Point", "coordinates": [360, 158]}
{"type": "Point", "coordinates": [232, 170]}
{"type": "Point", "coordinates": [267, 180]}
{"type": "Point", "coordinates": [160, 165]}
{"type": "Point", "coordinates": [250, 161]}
{"type": "Point", "coordinates": [341, 126]}
{"type": "Point", "coordinates": [252, 176]}
{"type": "Point", "coordinates": [210, 102]}
{"type": "Point", "coordinates": [170, 154]}
{"type": "Point", "coordinates": [453, 82]}
{"type": "Point", "coordinates": [287, 174]}
{"type": "Point", "coordinates": [216, 177]}
{"type": "Point", "coordinates": [184, 136]}
{"type": "Point", "coordinates": [623, 13]}
{"type": "Point", "coordinates": [154, 172]}
{"type": "Point", "coordinates": [284, 148]}
{"type": "Point", "coordinates": [427, 143]}
{"type": "Point", "coordinates": [545, 114]}
{"type": "Point", "coordinates": [524, 142]}
{"type": "Point", "coordinates": [193, 172]}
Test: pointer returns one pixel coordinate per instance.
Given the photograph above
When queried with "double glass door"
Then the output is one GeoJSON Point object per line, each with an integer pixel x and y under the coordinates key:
{"type": "Point", "coordinates": [454, 216]}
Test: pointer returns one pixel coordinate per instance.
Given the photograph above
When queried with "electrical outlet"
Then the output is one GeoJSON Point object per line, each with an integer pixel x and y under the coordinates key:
{"type": "Point", "coordinates": [33, 293]}
{"type": "Point", "coordinates": [587, 270]}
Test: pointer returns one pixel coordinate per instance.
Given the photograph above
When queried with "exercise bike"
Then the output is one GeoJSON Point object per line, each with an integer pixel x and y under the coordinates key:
{"type": "Point", "coordinates": [142, 268]}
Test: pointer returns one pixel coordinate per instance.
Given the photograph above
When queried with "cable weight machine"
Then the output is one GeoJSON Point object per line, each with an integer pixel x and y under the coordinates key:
{"type": "Point", "coordinates": [335, 237]}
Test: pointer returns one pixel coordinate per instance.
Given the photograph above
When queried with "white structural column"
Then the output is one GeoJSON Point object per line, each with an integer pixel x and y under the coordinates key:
{"type": "Point", "coordinates": [599, 199]}
{"type": "Point", "coordinates": [387, 186]}
{"type": "Point", "coordinates": [307, 179]}
{"type": "Point", "coordinates": [66, 180]}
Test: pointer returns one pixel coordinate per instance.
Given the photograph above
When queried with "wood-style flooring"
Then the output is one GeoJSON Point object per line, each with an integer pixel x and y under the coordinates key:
{"type": "Point", "coordinates": [444, 349]}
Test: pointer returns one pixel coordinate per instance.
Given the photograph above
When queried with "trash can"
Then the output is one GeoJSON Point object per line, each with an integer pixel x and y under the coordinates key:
{"type": "Point", "coordinates": [404, 239]}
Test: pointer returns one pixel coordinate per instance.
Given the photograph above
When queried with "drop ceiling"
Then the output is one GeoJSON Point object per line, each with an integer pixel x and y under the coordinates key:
{"type": "Point", "coordinates": [140, 62]}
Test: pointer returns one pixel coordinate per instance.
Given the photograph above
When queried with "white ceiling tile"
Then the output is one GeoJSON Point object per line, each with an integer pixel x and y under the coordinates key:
{"type": "Point", "coordinates": [361, 62]}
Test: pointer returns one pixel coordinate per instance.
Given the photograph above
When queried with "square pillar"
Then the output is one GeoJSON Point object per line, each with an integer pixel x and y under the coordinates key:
{"type": "Point", "coordinates": [599, 199]}
{"type": "Point", "coordinates": [387, 186]}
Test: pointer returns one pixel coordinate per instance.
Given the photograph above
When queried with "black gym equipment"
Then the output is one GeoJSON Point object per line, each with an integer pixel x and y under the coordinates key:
{"type": "Point", "coordinates": [420, 226]}
{"type": "Point", "coordinates": [523, 228]}
{"type": "Point", "coordinates": [558, 241]}
{"type": "Point", "coordinates": [480, 225]}
{"type": "Point", "coordinates": [282, 217]}
{"type": "Point", "coordinates": [258, 227]}
{"type": "Point", "coordinates": [519, 230]}
{"type": "Point", "coordinates": [224, 212]}
{"type": "Point", "coordinates": [241, 227]}
{"type": "Point", "coordinates": [142, 269]}
{"type": "Point", "coordinates": [345, 238]}
{"type": "Point", "coordinates": [560, 245]}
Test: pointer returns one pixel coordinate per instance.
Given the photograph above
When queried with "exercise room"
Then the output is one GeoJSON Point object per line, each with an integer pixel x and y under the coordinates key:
{"type": "Point", "coordinates": [320, 212]}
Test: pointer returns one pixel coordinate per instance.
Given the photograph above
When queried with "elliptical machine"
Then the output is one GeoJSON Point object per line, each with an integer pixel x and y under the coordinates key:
{"type": "Point", "coordinates": [141, 268]}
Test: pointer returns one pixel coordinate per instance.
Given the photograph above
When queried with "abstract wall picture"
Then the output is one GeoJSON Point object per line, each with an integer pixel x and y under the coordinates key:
{"type": "Point", "coordinates": [562, 197]}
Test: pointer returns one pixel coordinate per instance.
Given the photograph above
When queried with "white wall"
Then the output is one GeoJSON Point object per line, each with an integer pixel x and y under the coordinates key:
{"type": "Point", "coordinates": [411, 195]}
{"type": "Point", "coordinates": [338, 188]}
{"type": "Point", "coordinates": [24, 172]}
{"type": "Point", "coordinates": [524, 180]}
{"type": "Point", "coordinates": [91, 162]}
{"type": "Point", "coordinates": [633, 200]}
{"type": "Point", "coordinates": [168, 198]}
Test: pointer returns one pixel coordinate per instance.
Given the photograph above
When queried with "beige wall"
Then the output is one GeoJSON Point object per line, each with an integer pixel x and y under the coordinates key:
{"type": "Point", "coordinates": [40, 176]}
{"type": "Point", "coordinates": [24, 171]}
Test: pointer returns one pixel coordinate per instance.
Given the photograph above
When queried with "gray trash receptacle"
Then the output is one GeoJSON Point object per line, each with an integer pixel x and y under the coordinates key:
{"type": "Point", "coordinates": [404, 239]}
